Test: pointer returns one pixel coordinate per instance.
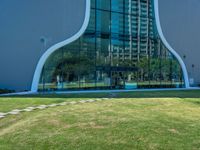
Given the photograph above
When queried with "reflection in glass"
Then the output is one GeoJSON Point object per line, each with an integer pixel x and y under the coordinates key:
{"type": "Point", "coordinates": [120, 49]}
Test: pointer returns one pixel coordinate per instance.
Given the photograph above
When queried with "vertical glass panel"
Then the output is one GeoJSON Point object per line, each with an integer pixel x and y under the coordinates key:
{"type": "Point", "coordinates": [71, 65]}
{"type": "Point", "coordinates": [128, 22]}
{"type": "Point", "coordinates": [52, 79]}
{"type": "Point", "coordinates": [130, 80]}
{"type": "Point", "coordinates": [87, 44]}
{"type": "Point", "coordinates": [135, 27]}
{"type": "Point", "coordinates": [103, 4]}
{"type": "Point", "coordinates": [103, 51]}
{"type": "Point", "coordinates": [117, 50]}
{"type": "Point", "coordinates": [117, 79]}
{"type": "Point", "coordinates": [103, 80]}
{"type": "Point", "coordinates": [53, 60]}
{"type": "Point", "coordinates": [87, 78]}
{"type": "Point", "coordinates": [117, 5]}
{"type": "Point", "coordinates": [91, 25]}
{"type": "Point", "coordinates": [143, 72]}
{"type": "Point", "coordinates": [127, 6]}
{"type": "Point", "coordinates": [53, 72]}
{"type": "Point", "coordinates": [75, 46]}
{"type": "Point", "coordinates": [177, 78]}
{"type": "Point", "coordinates": [144, 8]}
{"type": "Point", "coordinates": [134, 6]}
{"type": "Point", "coordinates": [155, 72]}
{"type": "Point", "coordinates": [41, 86]}
{"type": "Point", "coordinates": [93, 3]}
{"type": "Point", "coordinates": [117, 23]}
{"type": "Point", "coordinates": [166, 64]}
{"type": "Point", "coordinates": [103, 21]}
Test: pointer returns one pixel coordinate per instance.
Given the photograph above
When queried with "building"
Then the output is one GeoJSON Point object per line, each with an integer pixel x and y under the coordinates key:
{"type": "Point", "coordinates": [98, 44]}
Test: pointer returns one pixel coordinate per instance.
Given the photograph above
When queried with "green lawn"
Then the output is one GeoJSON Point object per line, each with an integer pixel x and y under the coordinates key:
{"type": "Point", "coordinates": [134, 120]}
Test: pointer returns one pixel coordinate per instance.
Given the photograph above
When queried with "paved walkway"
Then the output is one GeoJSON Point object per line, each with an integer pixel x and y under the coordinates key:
{"type": "Point", "coordinates": [40, 107]}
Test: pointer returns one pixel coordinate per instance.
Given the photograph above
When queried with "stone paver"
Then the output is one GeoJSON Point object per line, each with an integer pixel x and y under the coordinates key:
{"type": "Point", "coordinates": [42, 107]}
{"type": "Point", "coordinates": [90, 100]}
{"type": "Point", "coordinates": [27, 110]}
{"type": "Point", "coordinates": [31, 108]}
{"type": "Point", "coordinates": [83, 101]}
{"type": "Point", "coordinates": [63, 104]}
{"type": "Point", "coordinates": [13, 113]}
{"type": "Point", "coordinates": [73, 103]}
{"type": "Point", "coordinates": [16, 110]}
{"type": "Point", "coordinates": [2, 116]}
{"type": "Point", "coordinates": [53, 105]}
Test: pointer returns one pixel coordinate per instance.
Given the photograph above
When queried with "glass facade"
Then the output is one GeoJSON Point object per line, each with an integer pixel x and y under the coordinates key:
{"type": "Point", "coordinates": [120, 49]}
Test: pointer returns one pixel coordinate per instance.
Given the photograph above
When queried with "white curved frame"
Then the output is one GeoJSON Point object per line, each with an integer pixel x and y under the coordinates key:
{"type": "Point", "coordinates": [38, 71]}
{"type": "Point", "coordinates": [160, 32]}
{"type": "Point", "coordinates": [45, 56]}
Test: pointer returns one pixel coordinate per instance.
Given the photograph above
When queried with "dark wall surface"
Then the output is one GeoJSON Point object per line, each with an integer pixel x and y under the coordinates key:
{"type": "Point", "coordinates": [27, 29]}
{"type": "Point", "coordinates": [180, 22]}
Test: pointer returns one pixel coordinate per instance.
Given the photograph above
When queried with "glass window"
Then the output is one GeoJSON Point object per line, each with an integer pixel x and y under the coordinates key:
{"type": "Point", "coordinates": [54, 60]}
{"type": "Point", "coordinates": [117, 5]}
{"type": "Point", "coordinates": [102, 51]}
{"type": "Point", "coordinates": [117, 23]}
{"type": "Point", "coordinates": [131, 6]}
{"type": "Point", "coordinates": [117, 50]}
{"type": "Point", "coordinates": [166, 64]}
{"type": "Point", "coordinates": [103, 4]}
{"type": "Point", "coordinates": [120, 49]}
{"type": "Point", "coordinates": [103, 79]}
{"type": "Point", "coordinates": [155, 72]}
{"type": "Point", "coordinates": [91, 25]}
{"type": "Point", "coordinates": [103, 22]}
{"type": "Point", "coordinates": [177, 75]}
{"type": "Point", "coordinates": [93, 3]}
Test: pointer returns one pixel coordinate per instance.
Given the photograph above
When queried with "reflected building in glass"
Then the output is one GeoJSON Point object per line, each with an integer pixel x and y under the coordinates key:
{"type": "Point", "coordinates": [120, 49]}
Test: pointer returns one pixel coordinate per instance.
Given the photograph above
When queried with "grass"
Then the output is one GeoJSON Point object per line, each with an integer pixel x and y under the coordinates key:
{"type": "Point", "coordinates": [134, 120]}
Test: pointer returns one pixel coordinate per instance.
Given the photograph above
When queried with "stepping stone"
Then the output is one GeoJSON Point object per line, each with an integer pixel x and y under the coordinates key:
{"type": "Point", "coordinates": [63, 104]}
{"type": "Point", "coordinates": [31, 108]}
{"type": "Point", "coordinates": [2, 116]}
{"type": "Point", "coordinates": [98, 99]}
{"type": "Point", "coordinates": [16, 110]}
{"type": "Point", "coordinates": [53, 105]}
{"type": "Point", "coordinates": [90, 100]}
{"type": "Point", "coordinates": [73, 103]}
{"type": "Point", "coordinates": [13, 113]}
{"type": "Point", "coordinates": [83, 101]}
{"type": "Point", "coordinates": [27, 110]}
{"type": "Point", "coordinates": [42, 107]}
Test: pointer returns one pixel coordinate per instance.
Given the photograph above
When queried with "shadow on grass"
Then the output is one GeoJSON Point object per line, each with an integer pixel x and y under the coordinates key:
{"type": "Point", "coordinates": [132, 94]}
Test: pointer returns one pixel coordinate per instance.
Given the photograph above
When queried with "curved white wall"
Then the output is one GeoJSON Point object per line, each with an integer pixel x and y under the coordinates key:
{"type": "Point", "coordinates": [52, 49]}
{"type": "Point", "coordinates": [183, 66]}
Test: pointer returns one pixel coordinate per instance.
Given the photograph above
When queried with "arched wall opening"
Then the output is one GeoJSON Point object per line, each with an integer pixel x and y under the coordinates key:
{"type": "Point", "coordinates": [120, 49]}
